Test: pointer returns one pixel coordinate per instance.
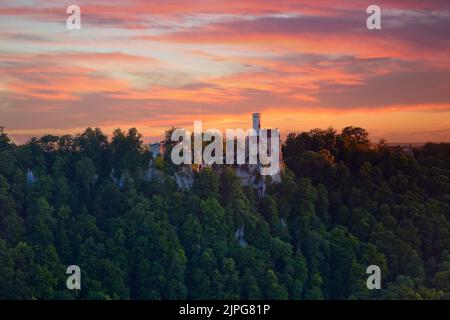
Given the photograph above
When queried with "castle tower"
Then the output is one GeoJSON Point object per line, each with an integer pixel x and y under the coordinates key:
{"type": "Point", "coordinates": [256, 121]}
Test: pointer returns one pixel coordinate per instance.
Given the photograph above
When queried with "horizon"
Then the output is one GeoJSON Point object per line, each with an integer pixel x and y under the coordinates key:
{"type": "Point", "coordinates": [283, 137]}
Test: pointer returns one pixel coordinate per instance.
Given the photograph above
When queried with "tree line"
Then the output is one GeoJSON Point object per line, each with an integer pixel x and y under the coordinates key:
{"type": "Point", "coordinates": [344, 203]}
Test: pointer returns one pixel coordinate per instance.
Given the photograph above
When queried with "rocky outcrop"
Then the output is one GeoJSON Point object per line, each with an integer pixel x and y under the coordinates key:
{"type": "Point", "coordinates": [239, 236]}
{"type": "Point", "coordinates": [30, 177]}
{"type": "Point", "coordinates": [184, 177]}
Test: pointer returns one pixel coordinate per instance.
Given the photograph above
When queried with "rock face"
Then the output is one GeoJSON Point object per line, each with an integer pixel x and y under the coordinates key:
{"type": "Point", "coordinates": [249, 175]}
{"type": "Point", "coordinates": [239, 236]}
{"type": "Point", "coordinates": [153, 173]}
{"type": "Point", "coordinates": [121, 182]}
{"type": "Point", "coordinates": [124, 177]}
{"type": "Point", "coordinates": [30, 178]}
{"type": "Point", "coordinates": [184, 178]}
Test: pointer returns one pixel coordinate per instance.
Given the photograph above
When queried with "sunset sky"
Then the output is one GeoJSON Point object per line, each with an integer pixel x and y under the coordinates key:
{"type": "Point", "coordinates": [153, 64]}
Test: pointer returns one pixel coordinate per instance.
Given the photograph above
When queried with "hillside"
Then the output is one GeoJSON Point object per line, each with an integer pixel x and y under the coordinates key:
{"type": "Point", "coordinates": [343, 204]}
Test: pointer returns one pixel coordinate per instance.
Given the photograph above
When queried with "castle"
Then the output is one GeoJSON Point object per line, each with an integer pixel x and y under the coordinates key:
{"type": "Point", "coordinates": [159, 149]}
{"type": "Point", "coordinates": [249, 174]}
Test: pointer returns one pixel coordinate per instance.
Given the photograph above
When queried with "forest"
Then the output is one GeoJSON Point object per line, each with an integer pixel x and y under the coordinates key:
{"type": "Point", "coordinates": [344, 203]}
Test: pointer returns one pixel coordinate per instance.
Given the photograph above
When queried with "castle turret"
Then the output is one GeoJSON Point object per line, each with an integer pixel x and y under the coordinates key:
{"type": "Point", "coordinates": [257, 121]}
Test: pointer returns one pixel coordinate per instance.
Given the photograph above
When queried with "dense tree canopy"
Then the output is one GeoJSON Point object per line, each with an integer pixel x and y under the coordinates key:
{"type": "Point", "coordinates": [343, 204]}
